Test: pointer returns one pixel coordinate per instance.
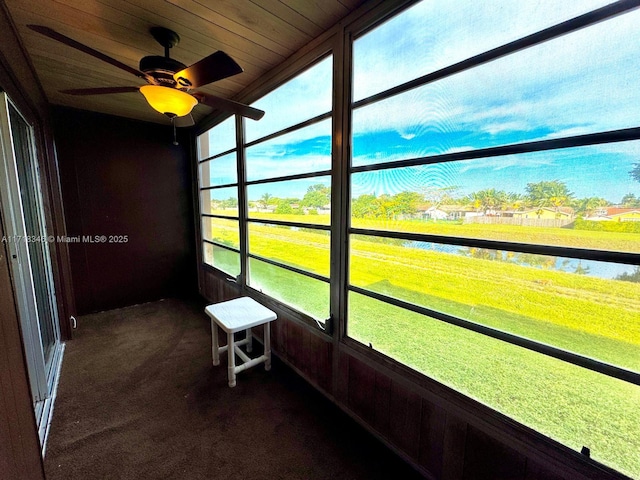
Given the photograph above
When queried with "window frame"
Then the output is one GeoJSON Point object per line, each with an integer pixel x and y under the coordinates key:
{"type": "Point", "coordinates": [339, 42]}
{"type": "Point", "coordinates": [620, 135]}
{"type": "Point", "coordinates": [319, 50]}
{"type": "Point", "coordinates": [202, 240]}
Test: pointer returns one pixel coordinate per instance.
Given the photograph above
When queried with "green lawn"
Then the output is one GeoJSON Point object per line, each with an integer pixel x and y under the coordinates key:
{"type": "Point", "coordinates": [593, 316]}
{"type": "Point", "coordinates": [538, 304]}
{"type": "Point", "coordinates": [570, 404]}
{"type": "Point", "coordinates": [566, 237]}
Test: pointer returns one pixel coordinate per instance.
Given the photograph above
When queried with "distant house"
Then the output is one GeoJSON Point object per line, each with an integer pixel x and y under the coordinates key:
{"type": "Point", "coordinates": [445, 212]}
{"type": "Point", "coordinates": [629, 216]}
{"type": "Point", "coordinates": [547, 213]}
{"type": "Point", "coordinates": [433, 213]}
{"type": "Point", "coordinates": [325, 209]}
{"type": "Point", "coordinates": [615, 214]}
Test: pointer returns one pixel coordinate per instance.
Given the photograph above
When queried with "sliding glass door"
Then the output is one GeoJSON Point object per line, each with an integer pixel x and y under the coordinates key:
{"type": "Point", "coordinates": [28, 242]}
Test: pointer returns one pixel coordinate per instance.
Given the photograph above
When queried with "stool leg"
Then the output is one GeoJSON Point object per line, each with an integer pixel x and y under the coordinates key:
{"type": "Point", "coordinates": [249, 341]}
{"type": "Point", "coordinates": [215, 354]}
{"type": "Point", "coordinates": [267, 346]}
{"type": "Point", "coordinates": [232, 359]}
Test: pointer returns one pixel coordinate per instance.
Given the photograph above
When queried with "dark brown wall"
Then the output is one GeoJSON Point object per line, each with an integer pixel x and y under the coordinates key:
{"type": "Point", "coordinates": [123, 177]}
{"type": "Point", "coordinates": [444, 434]}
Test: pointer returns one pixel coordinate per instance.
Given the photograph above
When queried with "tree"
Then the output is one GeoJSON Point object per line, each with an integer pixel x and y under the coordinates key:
{"type": "Point", "coordinates": [365, 206]}
{"type": "Point", "coordinates": [630, 200]}
{"type": "Point", "coordinates": [265, 200]}
{"type": "Point", "coordinates": [635, 172]}
{"type": "Point", "coordinates": [406, 203]}
{"type": "Point", "coordinates": [317, 196]}
{"type": "Point", "coordinates": [436, 196]}
{"type": "Point", "coordinates": [580, 269]}
{"type": "Point", "coordinates": [513, 201]}
{"type": "Point", "coordinates": [488, 199]}
{"type": "Point", "coordinates": [230, 202]}
{"type": "Point", "coordinates": [630, 277]}
{"type": "Point", "coordinates": [386, 206]}
{"type": "Point", "coordinates": [586, 206]}
{"type": "Point", "coordinates": [550, 194]}
{"type": "Point", "coordinates": [283, 208]}
{"type": "Point", "coordinates": [399, 205]}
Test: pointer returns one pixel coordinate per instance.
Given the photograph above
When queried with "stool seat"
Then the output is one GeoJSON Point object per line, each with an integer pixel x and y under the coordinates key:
{"type": "Point", "coordinates": [233, 316]}
{"type": "Point", "coordinates": [239, 314]}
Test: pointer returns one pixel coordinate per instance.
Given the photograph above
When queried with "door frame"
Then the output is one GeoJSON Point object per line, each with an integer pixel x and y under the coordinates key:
{"type": "Point", "coordinates": [43, 374]}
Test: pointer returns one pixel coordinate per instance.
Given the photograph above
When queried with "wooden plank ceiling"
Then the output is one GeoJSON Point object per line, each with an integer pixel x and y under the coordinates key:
{"type": "Point", "coordinates": [258, 34]}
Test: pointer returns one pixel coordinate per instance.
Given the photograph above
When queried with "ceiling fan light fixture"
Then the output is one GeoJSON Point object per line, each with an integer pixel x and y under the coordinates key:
{"type": "Point", "coordinates": [169, 101]}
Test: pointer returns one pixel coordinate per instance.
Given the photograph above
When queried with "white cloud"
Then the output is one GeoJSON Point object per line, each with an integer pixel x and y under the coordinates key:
{"type": "Point", "coordinates": [305, 96]}
{"type": "Point", "coordinates": [570, 132]}
{"type": "Point", "coordinates": [508, 161]}
{"type": "Point", "coordinates": [509, 126]}
{"type": "Point", "coordinates": [290, 154]}
{"type": "Point", "coordinates": [408, 136]}
{"type": "Point", "coordinates": [434, 34]}
{"type": "Point", "coordinates": [464, 148]}
{"type": "Point", "coordinates": [288, 189]}
{"type": "Point", "coordinates": [584, 81]}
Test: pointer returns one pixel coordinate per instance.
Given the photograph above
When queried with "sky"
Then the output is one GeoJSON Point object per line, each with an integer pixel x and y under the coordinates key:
{"type": "Point", "coordinates": [583, 82]}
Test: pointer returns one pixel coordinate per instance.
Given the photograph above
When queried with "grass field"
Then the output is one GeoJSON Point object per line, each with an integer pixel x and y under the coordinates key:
{"type": "Point", "coordinates": [593, 316]}
{"type": "Point", "coordinates": [565, 237]}
{"type": "Point", "coordinates": [569, 404]}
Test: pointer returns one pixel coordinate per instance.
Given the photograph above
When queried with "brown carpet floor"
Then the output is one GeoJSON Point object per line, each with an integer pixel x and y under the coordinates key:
{"type": "Point", "coordinates": [139, 399]}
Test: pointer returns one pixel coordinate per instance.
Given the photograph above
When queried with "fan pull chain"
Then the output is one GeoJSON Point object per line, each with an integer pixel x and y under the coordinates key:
{"type": "Point", "coordinates": [173, 123]}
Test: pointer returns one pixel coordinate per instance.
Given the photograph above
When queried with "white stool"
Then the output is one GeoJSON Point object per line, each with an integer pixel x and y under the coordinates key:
{"type": "Point", "coordinates": [233, 316]}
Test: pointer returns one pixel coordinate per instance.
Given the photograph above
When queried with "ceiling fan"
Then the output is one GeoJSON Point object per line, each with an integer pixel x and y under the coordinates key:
{"type": "Point", "coordinates": [169, 82]}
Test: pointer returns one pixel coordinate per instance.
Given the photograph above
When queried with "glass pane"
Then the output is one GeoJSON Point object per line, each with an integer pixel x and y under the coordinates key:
{"type": "Point", "coordinates": [576, 84]}
{"type": "Point", "coordinates": [304, 248]}
{"type": "Point", "coordinates": [304, 293]}
{"type": "Point", "coordinates": [33, 209]}
{"type": "Point", "coordinates": [221, 258]}
{"type": "Point", "coordinates": [219, 171]}
{"type": "Point", "coordinates": [307, 200]}
{"type": "Point", "coordinates": [301, 98]}
{"type": "Point", "coordinates": [583, 306]}
{"type": "Point", "coordinates": [221, 231]}
{"type": "Point", "coordinates": [220, 201]}
{"type": "Point", "coordinates": [570, 404]}
{"type": "Point", "coordinates": [219, 139]}
{"type": "Point", "coordinates": [306, 150]}
{"type": "Point", "coordinates": [403, 48]}
{"type": "Point", "coordinates": [575, 197]}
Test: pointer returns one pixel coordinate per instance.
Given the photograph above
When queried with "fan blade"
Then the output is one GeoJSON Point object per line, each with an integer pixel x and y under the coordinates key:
{"type": "Point", "coordinates": [230, 106]}
{"type": "Point", "coordinates": [186, 121]}
{"type": "Point", "coordinates": [215, 67]}
{"type": "Point", "coordinates": [48, 32]}
{"type": "Point", "coordinates": [100, 91]}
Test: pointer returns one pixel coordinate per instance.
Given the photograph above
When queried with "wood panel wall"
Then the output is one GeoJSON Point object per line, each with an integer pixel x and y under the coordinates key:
{"type": "Point", "coordinates": [119, 178]}
{"type": "Point", "coordinates": [19, 442]}
{"type": "Point", "coordinates": [442, 433]}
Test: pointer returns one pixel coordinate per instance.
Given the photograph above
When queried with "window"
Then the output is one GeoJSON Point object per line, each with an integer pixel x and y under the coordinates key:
{"type": "Point", "coordinates": [486, 226]}
{"type": "Point", "coordinates": [287, 169]}
{"type": "Point", "coordinates": [493, 242]}
{"type": "Point", "coordinates": [288, 165]}
{"type": "Point", "coordinates": [218, 180]}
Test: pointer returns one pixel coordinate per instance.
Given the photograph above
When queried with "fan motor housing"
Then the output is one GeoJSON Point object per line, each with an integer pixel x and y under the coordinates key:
{"type": "Point", "coordinates": [161, 68]}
